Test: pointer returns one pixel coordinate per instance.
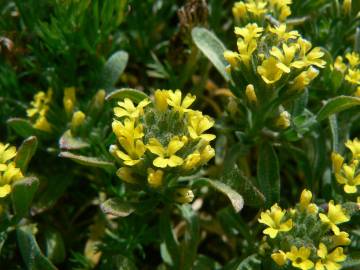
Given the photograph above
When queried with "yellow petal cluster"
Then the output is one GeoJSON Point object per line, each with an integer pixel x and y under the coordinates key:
{"type": "Point", "coordinates": [38, 110]}
{"type": "Point", "coordinates": [9, 173]}
{"type": "Point", "coordinates": [335, 215]}
{"type": "Point", "coordinates": [157, 138]}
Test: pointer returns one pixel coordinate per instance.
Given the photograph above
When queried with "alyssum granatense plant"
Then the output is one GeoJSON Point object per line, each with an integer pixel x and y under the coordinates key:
{"type": "Point", "coordinates": [161, 140]}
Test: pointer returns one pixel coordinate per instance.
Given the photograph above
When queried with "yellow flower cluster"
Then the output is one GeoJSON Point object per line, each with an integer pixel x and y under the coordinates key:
{"type": "Point", "coordinates": [38, 110]}
{"type": "Point", "coordinates": [257, 9]}
{"type": "Point", "coordinates": [275, 56]}
{"type": "Point", "coordinates": [305, 238]}
{"type": "Point", "coordinates": [350, 70]}
{"type": "Point", "coordinates": [348, 174]}
{"type": "Point", "coordinates": [156, 139]}
{"type": "Point", "coordinates": [8, 171]}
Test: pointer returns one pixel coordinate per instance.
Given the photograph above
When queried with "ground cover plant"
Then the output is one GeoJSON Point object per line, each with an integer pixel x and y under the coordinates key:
{"type": "Point", "coordinates": [165, 134]}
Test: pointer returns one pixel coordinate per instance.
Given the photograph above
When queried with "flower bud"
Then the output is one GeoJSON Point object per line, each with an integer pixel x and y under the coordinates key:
{"type": "Point", "coordinates": [161, 97]}
{"type": "Point", "coordinates": [183, 195]}
{"type": "Point", "coordinates": [250, 93]}
{"type": "Point", "coordinates": [347, 7]}
{"type": "Point", "coordinates": [77, 120]}
{"type": "Point", "coordinates": [337, 161]}
{"type": "Point", "coordinates": [279, 257]}
{"type": "Point", "coordinates": [155, 177]}
{"type": "Point", "coordinates": [283, 121]}
{"type": "Point", "coordinates": [126, 174]}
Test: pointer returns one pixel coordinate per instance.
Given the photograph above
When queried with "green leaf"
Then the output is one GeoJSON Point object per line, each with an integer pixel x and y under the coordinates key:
{"type": "Point", "coordinates": [268, 175]}
{"type": "Point", "coordinates": [235, 198]}
{"type": "Point", "coordinates": [334, 132]}
{"type": "Point", "coordinates": [55, 247]}
{"type": "Point", "coordinates": [22, 194]}
{"type": "Point", "coordinates": [336, 105]}
{"type": "Point", "coordinates": [352, 261]}
{"type": "Point", "coordinates": [89, 161]}
{"type": "Point", "coordinates": [69, 142]}
{"type": "Point", "coordinates": [212, 48]}
{"type": "Point", "coordinates": [25, 153]}
{"type": "Point", "coordinates": [32, 256]}
{"type": "Point", "coordinates": [133, 94]}
{"type": "Point", "coordinates": [22, 127]}
{"type": "Point", "coordinates": [117, 207]}
{"type": "Point", "coordinates": [171, 248]}
{"type": "Point", "coordinates": [114, 67]}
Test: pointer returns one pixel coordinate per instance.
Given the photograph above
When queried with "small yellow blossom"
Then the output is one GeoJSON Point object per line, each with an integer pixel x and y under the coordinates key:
{"type": "Point", "coordinates": [38, 110]}
{"type": "Point", "coordinates": [285, 57]}
{"type": "Point", "coordinates": [155, 177]}
{"type": "Point", "coordinates": [246, 50]}
{"type": "Point", "coordinates": [282, 34]}
{"type": "Point", "coordinates": [353, 58]}
{"type": "Point", "coordinates": [198, 124]}
{"type": "Point", "coordinates": [134, 151]}
{"type": "Point", "coordinates": [257, 8]}
{"type": "Point", "coordinates": [183, 195]}
{"type": "Point", "coordinates": [339, 64]}
{"type": "Point", "coordinates": [279, 257]}
{"type": "Point", "coordinates": [309, 56]}
{"type": "Point", "coordinates": [337, 161]}
{"type": "Point", "coordinates": [348, 178]}
{"type": "Point", "coordinates": [249, 32]}
{"type": "Point", "coordinates": [250, 93]}
{"type": "Point", "coordinates": [69, 99]}
{"type": "Point", "coordinates": [166, 156]}
{"type": "Point", "coordinates": [273, 219]}
{"type": "Point", "coordinates": [128, 129]}
{"type": "Point", "coordinates": [269, 71]}
{"type": "Point", "coordinates": [239, 10]}
{"type": "Point", "coordinates": [334, 216]}
{"type": "Point", "coordinates": [8, 174]}
{"type": "Point", "coordinates": [354, 147]}
{"type": "Point", "coordinates": [192, 161]}
{"type": "Point", "coordinates": [305, 202]}
{"type": "Point", "coordinates": [6, 152]}
{"type": "Point", "coordinates": [78, 119]}
{"type": "Point", "coordinates": [283, 121]}
{"type": "Point", "coordinates": [127, 108]}
{"type": "Point", "coordinates": [161, 97]}
{"type": "Point", "coordinates": [42, 123]}
{"type": "Point", "coordinates": [353, 76]}
{"type": "Point", "coordinates": [232, 58]}
{"type": "Point", "coordinates": [126, 174]}
{"type": "Point", "coordinates": [304, 79]}
{"type": "Point", "coordinates": [329, 261]}
{"type": "Point", "coordinates": [300, 257]}
{"type": "Point", "coordinates": [206, 154]}
{"type": "Point", "coordinates": [174, 100]}
{"type": "Point", "coordinates": [342, 239]}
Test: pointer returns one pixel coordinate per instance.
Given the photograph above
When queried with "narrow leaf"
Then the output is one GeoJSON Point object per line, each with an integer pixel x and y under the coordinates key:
{"type": "Point", "coordinates": [114, 67]}
{"type": "Point", "coordinates": [235, 198]}
{"type": "Point", "coordinates": [336, 105]}
{"type": "Point", "coordinates": [133, 94]}
{"type": "Point", "coordinates": [22, 194]}
{"type": "Point", "coordinates": [22, 127]}
{"type": "Point", "coordinates": [25, 153]}
{"type": "Point", "coordinates": [212, 48]}
{"type": "Point", "coordinates": [116, 207]}
{"type": "Point", "coordinates": [268, 174]}
{"type": "Point", "coordinates": [88, 161]}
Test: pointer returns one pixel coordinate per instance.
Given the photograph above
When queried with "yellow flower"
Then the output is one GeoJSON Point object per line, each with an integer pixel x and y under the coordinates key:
{"type": "Point", "coordinates": [339, 64]}
{"type": "Point", "coordinates": [268, 70]}
{"type": "Point", "coordinates": [307, 56]}
{"type": "Point", "coordinates": [6, 152]}
{"type": "Point", "coordinates": [337, 161]}
{"type": "Point", "coordinates": [232, 58]}
{"type": "Point", "coordinates": [192, 161]}
{"type": "Point", "coordinates": [174, 100]}
{"type": "Point", "coordinates": [206, 154]}
{"type": "Point", "coordinates": [78, 119]}
{"type": "Point", "coordinates": [127, 108]}
{"type": "Point", "coordinates": [285, 58]}
{"type": "Point", "coordinates": [300, 257]}
{"type": "Point", "coordinates": [342, 239]}
{"type": "Point", "coordinates": [354, 147]}
{"type": "Point", "coordinates": [305, 202]}
{"type": "Point", "coordinates": [183, 195]}
{"type": "Point", "coordinates": [249, 32]}
{"type": "Point", "coordinates": [155, 177]}
{"type": "Point", "coordinates": [329, 261]}
{"type": "Point", "coordinates": [42, 124]}
{"type": "Point", "coordinates": [69, 99]}
{"type": "Point", "coordinates": [334, 216]}
{"type": "Point", "coordinates": [127, 129]}
{"type": "Point", "coordinates": [282, 34]}
{"type": "Point", "coordinates": [239, 10]}
{"type": "Point", "coordinates": [126, 174]}
{"type": "Point", "coordinates": [8, 174]}
{"type": "Point", "coordinates": [283, 121]}
{"type": "Point", "coordinates": [273, 219]}
{"type": "Point", "coordinates": [246, 50]}
{"type": "Point", "coordinates": [161, 97]}
{"type": "Point", "coordinates": [279, 257]}
{"type": "Point", "coordinates": [353, 76]}
{"type": "Point", "coordinates": [348, 178]}
{"type": "Point", "coordinates": [198, 124]}
{"type": "Point", "coordinates": [40, 103]}
{"type": "Point", "coordinates": [250, 93]}
{"type": "Point", "coordinates": [353, 58]}
{"type": "Point", "coordinates": [304, 79]}
{"type": "Point", "coordinates": [134, 149]}
{"type": "Point", "coordinates": [166, 156]}
{"type": "Point", "coordinates": [257, 8]}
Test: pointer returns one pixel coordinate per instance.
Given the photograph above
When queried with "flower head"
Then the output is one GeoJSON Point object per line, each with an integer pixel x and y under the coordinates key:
{"type": "Point", "coordinates": [329, 261]}
{"type": "Point", "coordinates": [174, 100]}
{"type": "Point", "coordinates": [335, 216]}
{"type": "Point", "coordinates": [354, 147]}
{"type": "Point", "coordinates": [166, 155]}
{"type": "Point", "coordinates": [300, 258]}
{"type": "Point", "coordinates": [128, 109]}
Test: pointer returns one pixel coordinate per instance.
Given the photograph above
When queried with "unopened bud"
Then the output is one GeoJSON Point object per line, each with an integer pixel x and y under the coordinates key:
{"type": "Point", "coordinates": [183, 195]}
{"type": "Point", "coordinates": [283, 121]}
{"type": "Point", "coordinates": [77, 120]}
{"type": "Point", "coordinates": [250, 93]}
